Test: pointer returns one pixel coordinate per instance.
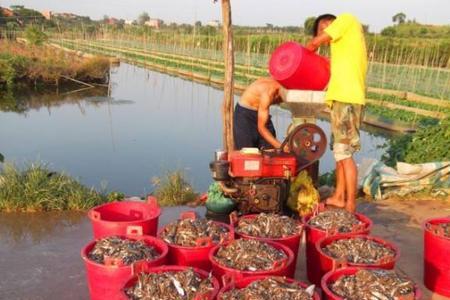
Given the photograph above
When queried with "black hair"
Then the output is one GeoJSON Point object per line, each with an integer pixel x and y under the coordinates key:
{"type": "Point", "coordinates": [325, 17]}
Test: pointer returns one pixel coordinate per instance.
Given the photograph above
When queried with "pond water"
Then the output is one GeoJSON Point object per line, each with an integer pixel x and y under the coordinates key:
{"type": "Point", "coordinates": [149, 124]}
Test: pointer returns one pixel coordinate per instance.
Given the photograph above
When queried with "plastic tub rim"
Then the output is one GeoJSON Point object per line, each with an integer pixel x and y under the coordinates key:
{"type": "Point", "coordinates": [285, 249]}
{"type": "Point", "coordinates": [156, 214]}
{"type": "Point", "coordinates": [230, 233]}
{"type": "Point", "coordinates": [175, 268]}
{"type": "Point", "coordinates": [247, 236]}
{"type": "Point", "coordinates": [361, 217]}
{"type": "Point", "coordinates": [438, 220]}
{"type": "Point", "coordinates": [327, 291]}
{"type": "Point", "coordinates": [318, 246]}
{"type": "Point", "coordinates": [252, 279]}
{"type": "Point", "coordinates": [165, 253]}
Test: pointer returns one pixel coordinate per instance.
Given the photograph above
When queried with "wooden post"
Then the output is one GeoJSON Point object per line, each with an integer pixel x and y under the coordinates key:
{"type": "Point", "coordinates": [228, 100]}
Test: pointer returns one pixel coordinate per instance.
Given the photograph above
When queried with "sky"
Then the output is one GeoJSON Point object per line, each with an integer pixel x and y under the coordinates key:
{"type": "Point", "coordinates": [376, 13]}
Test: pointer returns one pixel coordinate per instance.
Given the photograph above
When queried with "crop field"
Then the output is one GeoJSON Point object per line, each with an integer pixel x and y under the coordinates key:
{"type": "Point", "coordinates": [406, 93]}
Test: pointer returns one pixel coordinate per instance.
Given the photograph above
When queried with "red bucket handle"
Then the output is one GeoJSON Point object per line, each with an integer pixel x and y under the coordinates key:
{"type": "Point", "coordinates": [436, 229]}
{"type": "Point", "coordinates": [138, 267]}
{"type": "Point", "coordinates": [339, 263]}
{"type": "Point", "coordinates": [95, 215]}
{"type": "Point", "coordinates": [204, 242]}
{"type": "Point", "coordinates": [112, 261]}
{"type": "Point", "coordinates": [318, 208]}
{"type": "Point", "coordinates": [153, 202]}
{"type": "Point", "coordinates": [234, 218]}
{"type": "Point", "coordinates": [228, 279]}
{"type": "Point", "coordinates": [188, 215]}
{"type": "Point", "coordinates": [279, 263]}
{"type": "Point", "coordinates": [134, 230]}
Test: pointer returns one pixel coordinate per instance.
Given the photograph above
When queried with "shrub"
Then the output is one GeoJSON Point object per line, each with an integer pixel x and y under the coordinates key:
{"type": "Point", "coordinates": [173, 189]}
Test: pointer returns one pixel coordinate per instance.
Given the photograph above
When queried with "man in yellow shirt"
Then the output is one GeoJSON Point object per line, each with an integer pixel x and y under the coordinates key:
{"type": "Point", "coordinates": [345, 96]}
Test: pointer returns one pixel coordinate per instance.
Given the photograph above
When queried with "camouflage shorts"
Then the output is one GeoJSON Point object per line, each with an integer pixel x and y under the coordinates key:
{"type": "Point", "coordinates": [345, 122]}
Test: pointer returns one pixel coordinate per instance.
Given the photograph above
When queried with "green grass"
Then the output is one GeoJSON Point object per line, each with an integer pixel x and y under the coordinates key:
{"type": "Point", "coordinates": [173, 189]}
{"type": "Point", "coordinates": [37, 188]}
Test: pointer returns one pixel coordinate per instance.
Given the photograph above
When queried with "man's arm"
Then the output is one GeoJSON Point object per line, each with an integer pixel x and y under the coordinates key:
{"type": "Point", "coordinates": [263, 117]}
{"type": "Point", "coordinates": [319, 40]}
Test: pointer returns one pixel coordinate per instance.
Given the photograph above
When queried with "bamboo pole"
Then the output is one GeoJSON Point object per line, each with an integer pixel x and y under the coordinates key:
{"type": "Point", "coordinates": [228, 51]}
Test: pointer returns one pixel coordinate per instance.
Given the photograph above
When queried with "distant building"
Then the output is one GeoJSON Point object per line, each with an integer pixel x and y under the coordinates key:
{"type": "Point", "coordinates": [47, 14]}
{"type": "Point", "coordinates": [130, 22]}
{"type": "Point", "coordinates": [154, 23]}
{"type": "Point", "coordinates": [65, 15]}
{"type": "Point", "coordinates": [7, 12]}
{"type": "Point", "coordinates": [112, 21]}
{"type": "Point", "coordinates": [213, 23]}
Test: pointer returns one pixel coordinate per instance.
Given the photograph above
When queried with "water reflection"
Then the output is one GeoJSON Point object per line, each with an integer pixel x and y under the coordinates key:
{"type": "Point", "coordinates": [149, 123]}
{"type": "Point", "coordinates": [18, 228]}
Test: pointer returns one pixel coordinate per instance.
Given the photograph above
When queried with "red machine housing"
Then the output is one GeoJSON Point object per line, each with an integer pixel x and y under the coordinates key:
{"type": "Point", "coordinates": [262, 165]}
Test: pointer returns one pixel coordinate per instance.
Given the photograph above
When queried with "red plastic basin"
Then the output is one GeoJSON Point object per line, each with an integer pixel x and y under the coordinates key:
{"type": "Point", "coordinates": [280, 269]}
{"type": "Point", "coordinates": [436, 258]}
{"type": "Point", "coordinates": [293, 242]}
{"type": "Point", "coordinates": [314, 234]}
{"type": "Point", "coordinates": [332, 276]}
{"type": "Point", "coordinates": [106, 281]}
{"type": "Point", "coordinates": [203, 274]}
{"type": "Point", "coordinates": [328, 263]}
{"type": "Point", "coordinates": [295, 67]}
{"type": "Point", "coordinates": [231, 283]}
{"type": "Point", "coordinates": [114, 218]}
{"type": "Point", "coordinates": [196, 256]}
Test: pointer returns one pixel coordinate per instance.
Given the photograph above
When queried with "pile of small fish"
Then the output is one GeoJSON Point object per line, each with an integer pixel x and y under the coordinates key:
{"type": "Point", "coordinates": [183, 285]}
{"type": "Point", "coordinates": [268, 226]}
{"type": "Point", "coordinates": [128, 251]}
{"type": "Point", "coordinates": [271, 288]}
{"type": "Point", "coordinates": [358, 250]}
{"type": "Point", "coordinates": [186, 232]}
{"type": "Point", "coordinates": [249, 255]}
{"type": "Point", "coordinates": [374, 285]}
{"type": "Point", "coordinates": [338, 219]}
{"type": "Point", "coordinates": [442, 229]}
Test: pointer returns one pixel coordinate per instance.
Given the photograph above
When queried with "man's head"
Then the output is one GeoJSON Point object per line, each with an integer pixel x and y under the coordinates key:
{"type": "Point", "coordinates": [322, 22]}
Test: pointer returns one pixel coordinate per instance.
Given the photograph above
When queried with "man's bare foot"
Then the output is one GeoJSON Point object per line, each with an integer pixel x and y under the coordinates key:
{"type": "Point", "coordinates": [335, 201]}
{"type": "Point", "coordinates": [350, 207]}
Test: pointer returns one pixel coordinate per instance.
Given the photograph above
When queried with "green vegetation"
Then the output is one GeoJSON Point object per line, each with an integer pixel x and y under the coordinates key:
{"type": "Point", "coordinates": [35, 36]}
{"type": "Point", "coordinates": [35, 65]}
{"type": "Point", "coordinates": [416, 30]}
{"type": "Point", "coordinates": [430, 143]}
{"type": "Point", "coordinates": [37, 188]}
{"type": "Point", "coordinates": [173, 189]}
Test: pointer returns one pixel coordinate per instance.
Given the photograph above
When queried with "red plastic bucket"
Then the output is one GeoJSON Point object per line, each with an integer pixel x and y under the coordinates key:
{"type": "Point", "coordinates": [314, 234]}
{"type": "Point", "coordinates": [332, 276]}
{"type": "Point", "coordinates": [328, 263]}
{"type": "Point", "coordinates": [293, 242]}
{"type": "Point", "coordinates": [281, 268]}
{"type": "Point", "coordinates": [229, 283]}
{"type": "Point", "coordinates": [203, 274]}
{"type": "Point", "coordinates": [295, 67]}
{"type": "Point", "coordinates": [436, 258]}
{"type": "Point", "coordinates": [114, 218]}
{"type": "Point", "coordinates": [194, 256]}
{"type": "Point", "coordinates": [106, 281]}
